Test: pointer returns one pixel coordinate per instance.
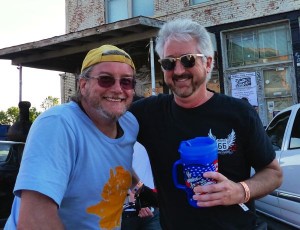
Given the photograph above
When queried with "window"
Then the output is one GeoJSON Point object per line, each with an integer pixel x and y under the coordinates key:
{"type": "Point", "coordinates": [277, 128]}
{"type": "Point", "coordinates": [194, 2]}
{"type": "Point", "coordinates": [259, 45]}
{"type": "Point", "coordinates": [123, 9]}
{"type": "Point", "coordinates": [277, 82]}
{"type": "Point", "coordinates": [142, 7]}
{"type": "Point", "coordinates": [295, 136]}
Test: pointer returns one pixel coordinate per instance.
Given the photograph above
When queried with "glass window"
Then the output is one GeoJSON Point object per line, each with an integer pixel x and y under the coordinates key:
{"type": "Point", "coordinates": [11, 153]}
{"type": "Point", "coordinates": [242, 48]}
{"type": "Point", "coordinates": [259, 45]}
{"type": "Point", "coordinates": [138, 7]}
{"type": "Point", "coordinates": [4, 150]}
{"type": "Point", "coordinates": [142, 7]}
{"type": "Point", "coordinates": [273, 42]}
{"type": "Point", "coordinates": [113, 10]}
{"type": "Point", "coordinates": [295, 135]}
{"type": "Point", "coordinates": [276, 129]}
{"type": "Point", "coordinates": [194, 2]}
{"type": "Point", "coordinates": [277, 82]}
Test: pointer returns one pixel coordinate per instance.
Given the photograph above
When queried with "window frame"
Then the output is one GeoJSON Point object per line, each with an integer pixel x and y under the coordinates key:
{"type": "Point", "coordinates": [130, 10]}
{"type": "Point", "coordinates": [257, 33]}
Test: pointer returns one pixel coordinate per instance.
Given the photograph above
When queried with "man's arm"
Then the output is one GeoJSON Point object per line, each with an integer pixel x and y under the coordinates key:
{"type": "Point", "coordinates": [38, 211]}
{"type": "Point", "coordinates": [227, 192]}
{"type": "Point", "coordinates": [266, 180]}
{"type": "Point", "coordinates": [135, 180]}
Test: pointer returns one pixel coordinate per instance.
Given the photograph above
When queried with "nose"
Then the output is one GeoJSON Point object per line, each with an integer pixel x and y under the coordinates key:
{"type": "Point", "coordinates": [179, 68]}
{"type": "Point", "coordinates": [117, 86]}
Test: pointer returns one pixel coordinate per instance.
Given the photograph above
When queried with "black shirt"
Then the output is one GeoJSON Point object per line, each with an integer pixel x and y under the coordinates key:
{"type": "Point", "coordinates": [242, 144]}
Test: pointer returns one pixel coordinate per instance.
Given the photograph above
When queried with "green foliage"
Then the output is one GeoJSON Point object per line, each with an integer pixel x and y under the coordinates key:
{"type": "Point", "coordinates": [12, 114]}
{"type": "Point", "coordinates": [33, 114]}
{"type": "Point", "coordinates": [3, 118]}
{"type": "Point", "coordinates": [49, 102]}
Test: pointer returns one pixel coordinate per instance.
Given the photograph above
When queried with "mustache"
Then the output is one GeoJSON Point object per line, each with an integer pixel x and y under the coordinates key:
{"type": "Point", "coordinates": [182, 76]}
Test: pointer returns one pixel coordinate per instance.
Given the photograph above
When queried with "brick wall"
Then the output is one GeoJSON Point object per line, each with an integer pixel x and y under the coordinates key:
{"type": "Point", "coordinates": [83, 14]}
{"type": "Point", "coordinates": [68, 85]}
{"type": "Point", "coordinates": [218, 12]}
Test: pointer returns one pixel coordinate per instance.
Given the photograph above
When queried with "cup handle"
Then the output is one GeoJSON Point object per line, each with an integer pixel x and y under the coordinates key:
{"type": "Point", "coordinates": [174, 174]}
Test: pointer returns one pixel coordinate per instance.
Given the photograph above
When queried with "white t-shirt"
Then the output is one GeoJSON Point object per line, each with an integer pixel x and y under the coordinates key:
{"type": "Point", "coordinates": [141, 165]}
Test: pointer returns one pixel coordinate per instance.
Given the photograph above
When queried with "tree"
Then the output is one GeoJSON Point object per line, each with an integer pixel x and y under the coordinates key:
{"type": "Point", "coordinates": [3, 118]}
{"type": "Point", "coordinates": [49, 102]}
{"type": "Point", "coordinates": [12, 115]}
{"type": "Point", "coordinates": [33, 114]}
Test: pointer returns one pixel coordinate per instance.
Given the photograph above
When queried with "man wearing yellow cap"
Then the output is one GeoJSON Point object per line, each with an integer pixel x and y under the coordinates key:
{"type": "Point", "coordinates": [75, 171]}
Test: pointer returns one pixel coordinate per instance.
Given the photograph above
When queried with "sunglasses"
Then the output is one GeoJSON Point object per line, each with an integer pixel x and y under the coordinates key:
{"type": "Point", "coordinates": [187, 60]}
{"type": "Point", "coordinates": [126, 83]}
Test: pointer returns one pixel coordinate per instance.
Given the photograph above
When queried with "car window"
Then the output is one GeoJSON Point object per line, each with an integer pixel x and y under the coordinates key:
{"type": "Point", "coordinates": [4, 150]}
{"type": "Point", "coordinates": [276, 129]}
{"type": "Point", "coordinates": [295, 136]}
{"type": "Point", "coordinates": [11, 153]}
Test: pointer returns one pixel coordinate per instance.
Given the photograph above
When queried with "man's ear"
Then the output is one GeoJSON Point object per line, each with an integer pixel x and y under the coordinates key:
{"type": "Point", "coordinates": [81, 84]}
{"type": "Point", "coordinates": [209, 62]}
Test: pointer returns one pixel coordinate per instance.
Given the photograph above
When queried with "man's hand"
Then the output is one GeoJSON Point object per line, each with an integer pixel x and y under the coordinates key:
{"type": "Point", "coordinates": [146, 197]}
{"type": "Point", "coordinates": [145, 212]}
{"type": "Point", "coordinates": [227, 192]}
{"type": "Point", "coordinates": [224, 192]}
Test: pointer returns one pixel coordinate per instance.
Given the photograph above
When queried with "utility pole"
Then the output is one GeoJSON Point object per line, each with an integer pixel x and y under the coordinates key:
{"type": "Point", "coordinates": [20, 82]}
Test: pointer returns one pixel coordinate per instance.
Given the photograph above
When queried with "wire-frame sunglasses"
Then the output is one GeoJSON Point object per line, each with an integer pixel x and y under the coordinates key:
{"type": "Point", "coordinates": [187, 60]}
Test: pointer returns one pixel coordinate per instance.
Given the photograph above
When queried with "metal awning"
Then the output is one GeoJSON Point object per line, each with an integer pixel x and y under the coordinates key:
{"type": "Point", "coordinates": [66, 52]}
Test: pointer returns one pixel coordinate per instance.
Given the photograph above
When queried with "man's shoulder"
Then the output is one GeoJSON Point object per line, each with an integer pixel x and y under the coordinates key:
{"type": "Point", "coordinates": [154, 100]}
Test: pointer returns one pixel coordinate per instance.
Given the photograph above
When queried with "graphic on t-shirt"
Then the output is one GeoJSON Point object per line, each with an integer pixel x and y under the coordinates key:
{"type": "Point", "coordinates": [113, 196]}
{"type": "Point", "coordinates": [226, 145]}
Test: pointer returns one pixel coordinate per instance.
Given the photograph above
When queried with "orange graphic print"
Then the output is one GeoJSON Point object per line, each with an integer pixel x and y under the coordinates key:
{"type": "Point", "coordinates": [113, 196]}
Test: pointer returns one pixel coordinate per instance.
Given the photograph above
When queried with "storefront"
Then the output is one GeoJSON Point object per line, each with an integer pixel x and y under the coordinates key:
{"type": "Point", "coordinates": [258, 63]}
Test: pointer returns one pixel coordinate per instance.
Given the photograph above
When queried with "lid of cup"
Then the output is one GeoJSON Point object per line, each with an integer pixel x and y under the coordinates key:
{"type": "Point", "coordinates": [202, 148]}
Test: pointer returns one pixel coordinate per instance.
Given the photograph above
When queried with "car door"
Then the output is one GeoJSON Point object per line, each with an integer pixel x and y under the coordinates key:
{"type": "Point", "coordinates": [289, 191]}
{"type": "Point", "coordinates": [276, 131]}
{"type": "Point", "coordinates": [11, 155]}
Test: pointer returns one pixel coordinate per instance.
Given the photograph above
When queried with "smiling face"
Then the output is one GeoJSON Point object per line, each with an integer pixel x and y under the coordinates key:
{"type": "Point", "coordinates": [111, 102]}
{"type": "Point", "coordinates": [187, 84]}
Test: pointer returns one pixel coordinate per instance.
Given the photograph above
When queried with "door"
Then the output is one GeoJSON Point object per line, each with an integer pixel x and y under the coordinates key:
{"type": "Point", "coordinates": [276, 90]}
{"type": "Point", "coordinates": [289, 191]}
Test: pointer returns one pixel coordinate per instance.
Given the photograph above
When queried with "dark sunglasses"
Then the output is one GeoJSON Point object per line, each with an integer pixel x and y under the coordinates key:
{"type": "Point", "coordinates": [187, 60]}
{"type": "Point", "coordinates": [126, 83]}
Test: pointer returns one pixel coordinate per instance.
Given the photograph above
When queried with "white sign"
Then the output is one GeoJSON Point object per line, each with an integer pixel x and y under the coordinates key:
{"type": "Point", "coordinates": [244, 86]}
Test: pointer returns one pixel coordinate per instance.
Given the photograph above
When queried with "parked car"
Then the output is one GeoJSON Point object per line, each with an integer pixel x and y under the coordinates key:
{"type": "Point", "coordinates": [284, 203]}
{"type": "Point", "coordinates": [10, 159]}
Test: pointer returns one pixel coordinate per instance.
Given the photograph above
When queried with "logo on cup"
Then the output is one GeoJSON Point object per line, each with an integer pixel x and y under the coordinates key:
{"type": "Point", "coordinates": [193, 174]}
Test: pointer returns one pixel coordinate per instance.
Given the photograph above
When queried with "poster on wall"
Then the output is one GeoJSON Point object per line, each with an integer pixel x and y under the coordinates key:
{"type": "Point", "coordinates": [244, 86]}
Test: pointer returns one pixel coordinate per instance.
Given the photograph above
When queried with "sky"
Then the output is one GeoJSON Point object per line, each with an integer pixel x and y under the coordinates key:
{"type": "Point", "coordinates": [23, 21]}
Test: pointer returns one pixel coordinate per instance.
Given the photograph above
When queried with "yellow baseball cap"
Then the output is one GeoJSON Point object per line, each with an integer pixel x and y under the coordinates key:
{"type": "Point", "coordinates": [106, 53]}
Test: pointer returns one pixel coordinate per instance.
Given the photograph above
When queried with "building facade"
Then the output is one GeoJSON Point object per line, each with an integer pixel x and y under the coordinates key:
{"type": "Point", "coordinates": [257, 44]}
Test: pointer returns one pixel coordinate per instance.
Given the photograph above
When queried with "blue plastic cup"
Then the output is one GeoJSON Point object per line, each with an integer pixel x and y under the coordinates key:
{"type": "Point", "coordinates": [197, 156]}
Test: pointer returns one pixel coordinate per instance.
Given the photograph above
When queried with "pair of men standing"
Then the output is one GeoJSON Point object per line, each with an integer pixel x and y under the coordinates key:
{"type": "Point", "coordinates": [96, 123]}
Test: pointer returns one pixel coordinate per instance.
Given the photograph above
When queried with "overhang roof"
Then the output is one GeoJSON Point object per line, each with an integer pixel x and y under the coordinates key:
{"type": "Point", "coordinates": [66, 52]}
